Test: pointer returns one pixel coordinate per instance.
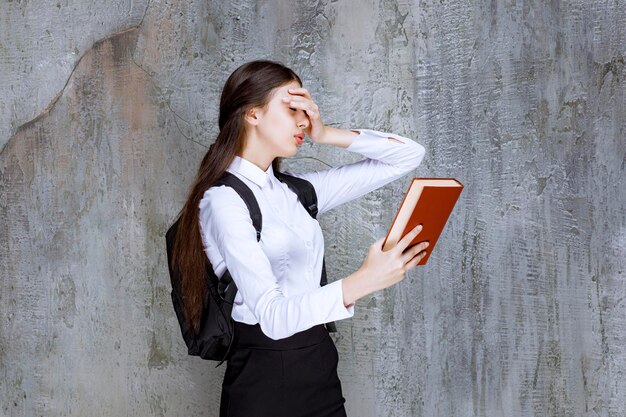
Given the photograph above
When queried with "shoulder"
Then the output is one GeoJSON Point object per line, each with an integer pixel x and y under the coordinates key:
{"type": "Point", "coordinates": [221, 200]}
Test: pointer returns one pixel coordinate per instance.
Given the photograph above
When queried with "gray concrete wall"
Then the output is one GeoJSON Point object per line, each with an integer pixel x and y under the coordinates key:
{"type": "Point", "coordinates": [107, 109]}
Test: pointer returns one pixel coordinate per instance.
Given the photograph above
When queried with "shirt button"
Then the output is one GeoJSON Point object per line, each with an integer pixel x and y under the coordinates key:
{"type": "Point", "coordinates": [308, 244]}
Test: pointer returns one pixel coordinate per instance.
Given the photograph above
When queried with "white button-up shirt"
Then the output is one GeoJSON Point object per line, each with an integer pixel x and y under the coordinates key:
{"type": "Point", "coordinates": [278, 277]}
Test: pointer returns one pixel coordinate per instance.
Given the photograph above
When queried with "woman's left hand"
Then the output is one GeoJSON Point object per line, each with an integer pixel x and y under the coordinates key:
{"type": "Point", "coordinates": [301, 99]}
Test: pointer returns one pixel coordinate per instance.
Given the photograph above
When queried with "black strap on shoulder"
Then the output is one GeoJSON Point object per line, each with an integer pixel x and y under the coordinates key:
{"type": "Point", "coordinates": [303, 189]}
{"type": "Point", "coordinates": [248, 197]}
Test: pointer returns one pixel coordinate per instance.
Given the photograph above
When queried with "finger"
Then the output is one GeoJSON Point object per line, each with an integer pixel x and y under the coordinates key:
{"type": "Point", "coordinates": [304, 105]}
{"type": "Point", "coordinates": [414, 250]}
{"type": "Point", "coordinates": [299, 90]}
{"type": "Point", "coordinates": [297, 99]}
{"type": "Point", "coordinates": [416, 259]}
{"type": "Point", "coordinates": [292, 102]}
{"type": "Point", "coordinates": [408, 238]}
{"type": "Point", "coordinates": [306, 99]}
{"type": "Point", "coordinates": [293, 98]}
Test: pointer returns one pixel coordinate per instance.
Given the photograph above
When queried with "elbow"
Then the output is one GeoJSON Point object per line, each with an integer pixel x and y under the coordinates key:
{"type": "Point", "coordinates": [271, 330]}
{"type": "Point", "coordinates": [271, 311]}
{"type": "Point", "coordinates": [413, 159]}
{"type": "Point", "coordinates": [420, 151]}
{"type": "Point", "coordinates": [270, 322]}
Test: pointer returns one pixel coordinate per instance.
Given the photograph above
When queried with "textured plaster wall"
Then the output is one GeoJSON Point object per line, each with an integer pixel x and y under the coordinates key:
{"type": "Point", "coordinates": [106, 110]}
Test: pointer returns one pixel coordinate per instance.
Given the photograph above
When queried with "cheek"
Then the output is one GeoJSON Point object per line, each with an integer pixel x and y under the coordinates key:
{"type": "Point", "coordinates": [277, 121]}
{"type": "Point", "coordinates": [280, 126]}
{"type": "Point", "coordinates": [270, 126]}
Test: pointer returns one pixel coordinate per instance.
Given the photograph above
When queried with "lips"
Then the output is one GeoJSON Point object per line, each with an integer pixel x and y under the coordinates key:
{"type": "Point", "coordinates": [299, 139]}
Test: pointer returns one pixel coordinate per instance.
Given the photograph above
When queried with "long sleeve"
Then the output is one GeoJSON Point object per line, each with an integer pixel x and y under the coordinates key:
{"type": "Point", "coordinates": [388, 157]}
{"type": "Point", "coordinates": [226, 225]}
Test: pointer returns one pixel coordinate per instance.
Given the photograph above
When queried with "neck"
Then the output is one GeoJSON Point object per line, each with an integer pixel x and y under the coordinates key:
{"type": "Point", "coordinates": [256, 159]}
{"type": "Point", "coordinates": [254, 152]}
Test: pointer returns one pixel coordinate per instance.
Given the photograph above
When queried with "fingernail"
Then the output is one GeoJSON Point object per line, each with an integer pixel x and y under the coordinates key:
{"type": "Point", "coordinates": [419, 227]}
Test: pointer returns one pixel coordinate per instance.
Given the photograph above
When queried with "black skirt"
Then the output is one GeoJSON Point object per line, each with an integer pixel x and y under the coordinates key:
{"type": "Point", "coordinates": [291, 377]}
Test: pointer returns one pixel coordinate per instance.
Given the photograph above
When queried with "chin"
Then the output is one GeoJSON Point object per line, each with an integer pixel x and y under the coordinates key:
{"type": "Point", "coordinates": [292, 152]}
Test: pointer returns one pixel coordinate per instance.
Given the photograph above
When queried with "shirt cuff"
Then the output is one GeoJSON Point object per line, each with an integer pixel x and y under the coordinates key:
{"type": "Point", "coordinates": [369, 137]}
{"type": "Point", "coordinates": [335, 293]}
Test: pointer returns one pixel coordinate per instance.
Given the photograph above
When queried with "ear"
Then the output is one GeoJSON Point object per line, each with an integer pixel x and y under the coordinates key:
{"type": "Point", "coordinates": [253, 116]}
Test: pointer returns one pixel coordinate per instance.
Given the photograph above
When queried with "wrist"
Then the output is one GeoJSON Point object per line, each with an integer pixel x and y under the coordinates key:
{"type": "Point", "coordinates": [355, 286]}
{"type": "Point", "coordinates": [342, 138]}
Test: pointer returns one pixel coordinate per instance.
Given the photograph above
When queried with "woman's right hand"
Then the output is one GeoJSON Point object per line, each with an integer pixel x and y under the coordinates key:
{"type": "Point", "coordinates": [383, 269]}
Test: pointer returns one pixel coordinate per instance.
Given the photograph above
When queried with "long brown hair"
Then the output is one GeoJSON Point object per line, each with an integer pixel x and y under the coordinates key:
{"type": "Point", "coordinates": [250, 85]}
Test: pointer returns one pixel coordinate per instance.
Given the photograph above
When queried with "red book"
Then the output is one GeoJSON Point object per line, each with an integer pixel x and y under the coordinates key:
{"type": "Point", "coordinates": [428, 201]}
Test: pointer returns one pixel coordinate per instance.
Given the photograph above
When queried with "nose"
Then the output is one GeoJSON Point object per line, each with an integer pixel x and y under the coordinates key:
{"type": "Point", "coordinates": [303, 120]}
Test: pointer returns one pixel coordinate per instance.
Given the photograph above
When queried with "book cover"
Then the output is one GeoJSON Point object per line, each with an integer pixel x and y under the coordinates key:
{"type": "Point", "coordinates": [428, 201]}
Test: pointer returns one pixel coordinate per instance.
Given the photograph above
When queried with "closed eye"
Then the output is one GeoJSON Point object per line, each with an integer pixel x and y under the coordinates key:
{"type": "Point", "coordinates": [291, 108]}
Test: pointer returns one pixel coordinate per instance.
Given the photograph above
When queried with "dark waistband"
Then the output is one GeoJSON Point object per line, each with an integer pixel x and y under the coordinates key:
{"type": "Point", "coordinates": [251, 336]}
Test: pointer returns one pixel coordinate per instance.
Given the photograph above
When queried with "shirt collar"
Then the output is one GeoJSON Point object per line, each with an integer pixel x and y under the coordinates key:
{"type": "Point", "coordinates": [251, 171]}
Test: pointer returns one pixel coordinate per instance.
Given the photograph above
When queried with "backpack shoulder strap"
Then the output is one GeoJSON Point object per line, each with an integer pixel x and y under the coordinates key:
{"type": "Point", "coordinates": [247, 196]}
{"type": "Point", "coordinates": [303, 189]}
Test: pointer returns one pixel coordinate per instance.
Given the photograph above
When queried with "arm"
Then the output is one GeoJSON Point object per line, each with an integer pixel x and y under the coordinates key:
{"type": "Point", "coordinates": [225, 222]}
{"type": "Point", "coordinates": [388, 157]}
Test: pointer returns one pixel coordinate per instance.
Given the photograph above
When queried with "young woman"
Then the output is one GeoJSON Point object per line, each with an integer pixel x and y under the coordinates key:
{"type": "Point", "coordinates": [284, 362]}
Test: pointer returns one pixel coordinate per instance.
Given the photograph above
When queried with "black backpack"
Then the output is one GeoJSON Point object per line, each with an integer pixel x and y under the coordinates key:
{"type": "Point", "coordinates": [215, 337]}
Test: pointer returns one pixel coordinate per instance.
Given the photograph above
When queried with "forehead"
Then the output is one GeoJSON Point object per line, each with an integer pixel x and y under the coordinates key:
{"type": "Point", "coordinates": [283, 90]}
